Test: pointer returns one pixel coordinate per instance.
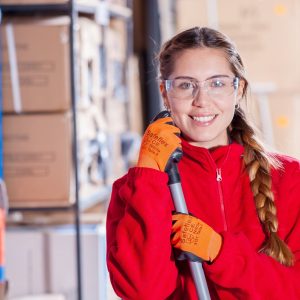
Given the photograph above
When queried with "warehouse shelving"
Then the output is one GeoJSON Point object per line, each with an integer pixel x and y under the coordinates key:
{"type": "Point", "coordinates": [101, 12]}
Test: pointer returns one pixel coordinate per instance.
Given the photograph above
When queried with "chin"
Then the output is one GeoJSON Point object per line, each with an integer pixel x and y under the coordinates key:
{"type": "Point", "coordinates": [196, 140]}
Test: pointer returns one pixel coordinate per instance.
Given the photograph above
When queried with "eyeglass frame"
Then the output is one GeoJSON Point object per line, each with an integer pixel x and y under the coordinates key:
{"type": "Point", "coordinates": [235, 83]}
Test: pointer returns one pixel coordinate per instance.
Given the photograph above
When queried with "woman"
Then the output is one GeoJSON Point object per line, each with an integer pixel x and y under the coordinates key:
{"type": "Point", "coordinates": [244, 202]}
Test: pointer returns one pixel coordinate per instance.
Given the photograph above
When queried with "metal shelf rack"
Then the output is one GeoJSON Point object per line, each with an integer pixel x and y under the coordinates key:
{"type": "Point", "coordinates": [101, 12]}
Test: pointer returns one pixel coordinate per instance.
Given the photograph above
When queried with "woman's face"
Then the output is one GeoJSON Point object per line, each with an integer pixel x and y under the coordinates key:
{"type": "Point", "coordinates": [203, 117]}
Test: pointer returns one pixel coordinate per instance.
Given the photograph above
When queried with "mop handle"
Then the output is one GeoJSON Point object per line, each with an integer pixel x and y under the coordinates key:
{"type": "Point", "coordinates": [180, 206]}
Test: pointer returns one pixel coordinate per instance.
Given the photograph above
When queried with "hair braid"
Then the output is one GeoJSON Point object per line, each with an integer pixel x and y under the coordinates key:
{"type": "Point", "coordinates": [258, 163]}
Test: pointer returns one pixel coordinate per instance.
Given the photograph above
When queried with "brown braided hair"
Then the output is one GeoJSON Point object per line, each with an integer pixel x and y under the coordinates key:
{"type": "Point", "coordinates": [258, 162]}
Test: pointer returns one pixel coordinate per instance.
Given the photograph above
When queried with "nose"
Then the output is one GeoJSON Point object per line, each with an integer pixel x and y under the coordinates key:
{"type": "Point", "coordinates": [201, 98]}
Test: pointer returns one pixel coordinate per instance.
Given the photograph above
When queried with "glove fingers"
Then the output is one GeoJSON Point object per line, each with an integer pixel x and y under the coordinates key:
{"type": "Point", "coordinates": [177, 225]}
{"type": "Point", "coordinates": [175, 238]}
{"type": "Point", "coordinates": [176, 216]}
{"type": "Point", "coordinates": [181, 219]}
{"type": "Point", "coordinates": [214, 245]}
{"type": "Point", "coordinates": [163, 129]}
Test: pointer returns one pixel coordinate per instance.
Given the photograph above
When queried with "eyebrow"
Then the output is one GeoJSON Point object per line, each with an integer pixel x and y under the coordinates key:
{"type": "Point", "coordinates": [211, 77]}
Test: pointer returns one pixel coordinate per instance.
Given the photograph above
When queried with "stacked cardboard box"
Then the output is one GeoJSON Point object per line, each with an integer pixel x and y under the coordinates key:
{"type": "Point", "coordinates": [123, 102]}
{"type": "Point", "coordinates": [42, 259]}
{"type": "Point", "coordinates": [37, 104]}
{"type": "Point", "coordinates": [36, 78]}
{"type": "Point", "coordinates": [265, 33]}
{"type": "Point", "coordinates": [116, 43]}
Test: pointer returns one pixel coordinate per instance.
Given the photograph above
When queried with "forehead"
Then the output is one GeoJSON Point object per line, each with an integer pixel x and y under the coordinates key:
{"type": "Point", "coordinates": [201, 63]}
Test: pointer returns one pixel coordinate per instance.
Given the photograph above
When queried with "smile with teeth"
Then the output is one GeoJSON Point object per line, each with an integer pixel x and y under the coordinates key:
{"type": "Point", "coordinates": [204, 119]}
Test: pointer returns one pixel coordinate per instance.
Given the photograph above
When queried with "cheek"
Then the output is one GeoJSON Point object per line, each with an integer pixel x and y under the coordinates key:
{"type": "Point", "coordinates": [178, 110]}
{"type": "Point", "coordinates": [226, 106]}
{"type": "Point", "coordinates": [179, 107]}
{"type": "Point", "coordinates": [228, 113]}
{"type": "Point", "coordinates": [178, 115]}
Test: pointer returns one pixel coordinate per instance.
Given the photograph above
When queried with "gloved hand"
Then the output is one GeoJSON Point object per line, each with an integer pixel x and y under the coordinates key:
{"type": "Point", "coordinates": [196, 239]}
{"type": "Point", "coordinates": [160, 141]}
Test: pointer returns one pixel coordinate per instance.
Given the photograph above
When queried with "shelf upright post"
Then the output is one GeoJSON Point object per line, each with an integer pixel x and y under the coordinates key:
{"type": "Point", "coordinates": [1, 109]}
{"type": "Point", "coordinates": [74, 94]}
{"type": "Point", "coordinates": [72, 11]}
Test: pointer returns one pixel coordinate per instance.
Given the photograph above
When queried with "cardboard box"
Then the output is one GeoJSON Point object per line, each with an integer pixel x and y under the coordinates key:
{"type": "Point", "coordinates": [190, 13]}
{"type": "Point", "coordinates": [38, 166]}
{"type": "Point", "coordinates": [90, 75]}
{"type": "Point", "coordinates": [26, 266]}
{"type": "Point", "coordinates": [257, 27]}
{"type": "Point", "coordinates": [41, 260]}
{"type": "Point", "coordinates": [41, 75]}
{"type": "Point", "coordinates": [62, 275]}
{"type": "Point", "coordinates": [117, 39]}
{"type": "Point", "coordinates": [37, 159]}
{"type": "Point", "coordinates": [116, 71]}
{"type": "Point", "coordinates": [117, 116]}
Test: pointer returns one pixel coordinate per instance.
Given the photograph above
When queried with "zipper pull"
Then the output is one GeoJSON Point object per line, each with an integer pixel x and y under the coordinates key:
{"type": "Point", "coordinates": [219, 175]}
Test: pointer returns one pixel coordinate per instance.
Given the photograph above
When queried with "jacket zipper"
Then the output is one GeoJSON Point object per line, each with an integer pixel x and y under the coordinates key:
{"type": "Point", "coordinates": [219, 179]}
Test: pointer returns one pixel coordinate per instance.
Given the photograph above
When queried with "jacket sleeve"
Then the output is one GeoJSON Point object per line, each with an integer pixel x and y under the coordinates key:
{"type": "Point", "coordinates": [252, 275]}
{"type": "Point", "coordinates": [139, 254]}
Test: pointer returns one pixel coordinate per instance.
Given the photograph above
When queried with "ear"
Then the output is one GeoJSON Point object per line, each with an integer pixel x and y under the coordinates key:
{"type": "Point", "coordinates": [162, 90]}
{"type": "Point", "coordinates": [240, 90]}
{"type": "Point", "coordinates": [164, 95]}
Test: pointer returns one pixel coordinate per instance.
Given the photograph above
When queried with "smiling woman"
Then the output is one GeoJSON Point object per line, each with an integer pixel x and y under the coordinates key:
{"type": "Point", "coordinates": [250, 246]}
{"type": "Point", "coordinates": [208, 110]}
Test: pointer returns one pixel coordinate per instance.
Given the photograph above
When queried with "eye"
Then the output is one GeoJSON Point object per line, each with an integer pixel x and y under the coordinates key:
{"type": "Point", "coordinates": [184, 85]}
{"type": "Point", "coordinates": [217, 83]}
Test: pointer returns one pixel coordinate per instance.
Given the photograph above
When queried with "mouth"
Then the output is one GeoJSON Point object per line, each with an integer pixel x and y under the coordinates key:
{"type": "Point", "coordinates": [204, 119]}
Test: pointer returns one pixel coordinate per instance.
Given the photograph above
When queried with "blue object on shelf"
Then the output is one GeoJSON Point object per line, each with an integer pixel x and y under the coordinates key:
{"type": "Point", "coordinates": [2, 274]}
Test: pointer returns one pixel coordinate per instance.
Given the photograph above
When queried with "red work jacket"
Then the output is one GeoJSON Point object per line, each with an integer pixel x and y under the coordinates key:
{"type": "Point", "coordinates": [217, 190]}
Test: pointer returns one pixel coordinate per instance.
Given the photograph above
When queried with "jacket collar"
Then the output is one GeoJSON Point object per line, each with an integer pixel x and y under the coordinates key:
{"type": "Point", "coordinates": [216, 157]}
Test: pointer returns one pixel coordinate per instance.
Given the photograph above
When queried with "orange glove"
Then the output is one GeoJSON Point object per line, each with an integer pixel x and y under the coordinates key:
{"type": "Point", "coordinates": [196, 239]}
{"type": "Point", "coordinates": [159, 143]}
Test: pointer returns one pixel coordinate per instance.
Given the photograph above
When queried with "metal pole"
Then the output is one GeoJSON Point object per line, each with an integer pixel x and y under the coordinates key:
{"type": "Point", "coordinates": [180, 206]}
{"type": "Point", "coordinates": [74, 81]}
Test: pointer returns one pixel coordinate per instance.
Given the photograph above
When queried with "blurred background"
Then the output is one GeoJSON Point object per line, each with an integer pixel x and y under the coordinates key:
{"type": "Point", "coordinates": [78, 87]}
